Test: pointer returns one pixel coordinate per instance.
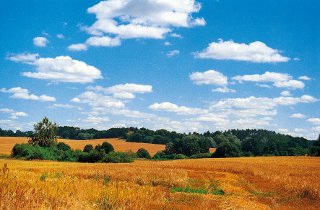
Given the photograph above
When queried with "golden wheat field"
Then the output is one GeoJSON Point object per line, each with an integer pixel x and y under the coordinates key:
{"type": "Point", "coordinates": [248, 183]}
{"type": "Point", "coordinates": [7, 143]}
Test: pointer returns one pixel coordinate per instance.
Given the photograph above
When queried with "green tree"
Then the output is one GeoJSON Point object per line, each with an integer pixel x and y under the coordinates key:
{"type": "Point", "coordinates": [45, 133]}
{"type": "Point", "coordinates": [143, 153]}
{"type": "Point", "coordinates": [227, 149]}
{"type": "Point", "coordinates": [317, 142]}
{"type": "Point", "coordinates": [106, 146]}
{"type": "Point", "coordinates": [63, 146]}
{"type": "Point", "coordinates": [88, 148]}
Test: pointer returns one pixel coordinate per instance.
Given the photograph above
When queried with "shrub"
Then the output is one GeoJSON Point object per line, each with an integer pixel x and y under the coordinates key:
{"type": "Point", "coordinates": [92, 156]}
{"type": "Point", "coordinates": [201, 155]}
{"type": "Point", "coordinates": [143, 153]}
{"type": "Point", "coordinates": [31, 152]}
{"type": "Point", "coordinates": [163, 155]}
{"type": "Point", "coordinates": [88, 148]}
{"type": "Point", "coordinates": [117, 157]}
{"type": "Point", "coordinates": [62, 146]}
{"type": "Point", "coordinates": [106, 146]}
{"type": "Point", "coordinates": [314, 151]}
{"type": "Point", "coordinates": [227, 149]}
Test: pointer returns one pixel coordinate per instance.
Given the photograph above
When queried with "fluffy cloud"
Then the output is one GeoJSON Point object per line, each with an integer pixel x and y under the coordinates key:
{"type": "Point", "coordinates": [279, 80]}
{"type": "Point", "coordinates": [98, 100]}
{"type": "Point", "coordinates": [256, 52]}
{"type": "Point", "coordinates": [112, 100]}
{"type": "Point", "coordinates": [64, 106]}
{"type": "Point", "coordinates": [24, 58]}
{"type": "Point", "coordinates": [223, 90]}
{"type": "Point", "coordinates": [173, 53]}
{"type": "Point", "coordinates": [285, 93]}
{"type": "Point", "coordinates": [210, 77]}
{"type": "Point", "coordinates": [58, 69]}
{"type": "Point", "coordinates": [298, 116]}
{"type": "Point", "coordinates": [13, 114]}
{"type": "Point", "coordinates": [126, 19]}
{"type": "Point", "coordinates": [304, 78]}
{"type": "Point", "coordinates": [181, 110]}
{"type": "Point", "coordinates": [261, 104]}
{"type": "Point", "coordinates": [103, 41]}
{"type": "Point", "coordinates": [21, 93]}
{"type": "Point", "coordinates": [124, 91]}
{"type": "Point", "coordinates": [95, 120]}
{"type": "Point", "coordinates": [40, 41]}
{"type": "Point", "coordinates": [96, 41]}
{"type": "Point", "coordinates": [77, 47]}
{"type": "Point", "coordinates": [314, 120]}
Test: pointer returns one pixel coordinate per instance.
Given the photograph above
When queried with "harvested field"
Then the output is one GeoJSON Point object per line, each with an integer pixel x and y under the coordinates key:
{"type": "Point", "coordinates": [7, 143]}
{"type": "Point", "coordinates": [230, 183]}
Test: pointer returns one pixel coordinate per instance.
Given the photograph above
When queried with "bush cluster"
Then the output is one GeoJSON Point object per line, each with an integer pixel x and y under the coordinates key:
{"type": "Point", "coordinates": [63, 152]}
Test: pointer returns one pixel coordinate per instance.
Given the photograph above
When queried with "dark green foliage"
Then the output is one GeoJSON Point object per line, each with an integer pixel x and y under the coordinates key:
{"type": "Point", "coordinates": [31, 152]}
{"type": "Point", "coordinates": [106, 146]}
{"type": "Point", "coordinates": [143, 153]}
{"type": "Point", "coordinates": [227, 149]}
{"type": "Point", "coordinates": [61, 152]}
{"type": "Point", "coordinates": [45, 133]}
{"type": "Point", "coordinates": [88, 148]}
{"type": "Point", "coordinates": [92, 156]}
{"type": "Point", "coordinates": [62, 146]}
{"type": "Point", "coordinates": [163, 155]}
{"type": "Point", "coordinates": [317, 142]}
{"type": "Point", "coordinates": [314, 151]}
{"type": "Point", "coordinates": [18, 133]}
{"type": "Point", "coordinates": [189, 145]}
{"type": "Point", "coordinates": [201, 155]}
{"type": "Point", "coordinates": [117, 157]}
{"type": "Point", "coordinates": [251, 142]}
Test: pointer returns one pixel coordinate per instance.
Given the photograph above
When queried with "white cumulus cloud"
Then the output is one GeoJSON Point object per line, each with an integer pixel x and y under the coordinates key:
{"type": "Point", "coordinates": [257, 52]}
{"type": "Point", "coordinates": [280, 80]}
{"type": "Point", "coordinates": [13, 114]}
{"type": "Point", "coordinates": [124, 91]}
{"type": "Point", "coordinates": [181, 110]}
{"type": "Point", "coordinates": [127, 19]}
{"type": "Point", "coordinates": [21, 93]}
{"type": "Point", "coordinates": [210, 77]}
{"type": "Point", "coordinates": [40, 41]}
{"type": "Point", "coordinates": [298, 116]}
{"type": "Point", "coordinates": [58, 69]}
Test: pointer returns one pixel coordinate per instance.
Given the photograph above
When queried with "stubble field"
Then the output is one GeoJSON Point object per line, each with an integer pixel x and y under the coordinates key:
{"type": "Point", "coordinates": [7, 143]}
{"type": "Point", "coordinates": [230, 183]}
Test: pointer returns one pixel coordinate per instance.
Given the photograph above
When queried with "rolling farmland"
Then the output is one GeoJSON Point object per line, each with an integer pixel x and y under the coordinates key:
{"type": "Point", "coordinates": [7, 143]}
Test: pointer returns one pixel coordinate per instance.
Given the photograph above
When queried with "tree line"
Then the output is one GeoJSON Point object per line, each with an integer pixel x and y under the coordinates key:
{"type": "Point", "coordinates": [231, 143]}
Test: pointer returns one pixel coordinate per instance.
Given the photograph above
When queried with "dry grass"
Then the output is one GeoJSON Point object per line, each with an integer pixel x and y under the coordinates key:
{"type": "Point", "coordinates": [248, 183]}
{"type": "Point", "coordinates": [7, 143]}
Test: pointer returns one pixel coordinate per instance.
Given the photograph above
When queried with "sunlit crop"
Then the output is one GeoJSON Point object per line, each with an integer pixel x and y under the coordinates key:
{"type": "Point", "coordinates": [7, 143]}
{"type": "Point", "coordinates": [246, 183]}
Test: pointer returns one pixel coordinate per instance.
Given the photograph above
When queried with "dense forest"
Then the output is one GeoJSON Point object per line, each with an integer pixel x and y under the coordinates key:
{"type": "Point", "coordinates": [231, 143]}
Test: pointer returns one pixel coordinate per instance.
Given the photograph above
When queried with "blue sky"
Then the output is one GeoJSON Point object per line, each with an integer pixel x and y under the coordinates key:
{"type": "Point", "coordinates": [183, 65]}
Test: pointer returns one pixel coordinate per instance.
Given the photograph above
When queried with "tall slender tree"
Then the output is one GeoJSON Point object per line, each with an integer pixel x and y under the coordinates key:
{"type": "Point", "coordinates": [45, 133]}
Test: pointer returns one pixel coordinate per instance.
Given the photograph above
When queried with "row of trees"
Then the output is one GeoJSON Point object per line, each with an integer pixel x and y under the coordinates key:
{"type": "Point", "coordinates": [16, 133]}
{"type": "Point", "coordinates": [232, 143]}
